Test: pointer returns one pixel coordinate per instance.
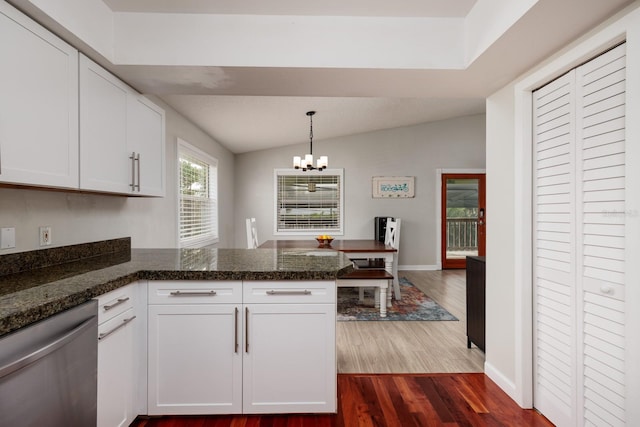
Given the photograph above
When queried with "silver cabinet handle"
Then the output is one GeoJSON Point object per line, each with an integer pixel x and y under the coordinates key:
{"type": "Point", "coordinates": [235, 347]}
{"type": "Point", "coordinates": [115, 304]}
{"type": "Point", "coordinates": [124, 322]}
{"type": "Point", "coordinates": [133, 171]}
{"type": "Point", "coordinates": [137, 159]}
{"type": "Point", "coordinates": [47, 348]}
{"type": "Point", "coordinates": [192, 293]}
{"type": "Point", "coordinates": [304, 292]}
{"type": "Point", "coordinates": [246, 329]}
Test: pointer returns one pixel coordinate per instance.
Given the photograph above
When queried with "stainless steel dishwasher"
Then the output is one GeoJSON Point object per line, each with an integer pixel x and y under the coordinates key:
{"type": "Point", "coordinates": [48, 371]}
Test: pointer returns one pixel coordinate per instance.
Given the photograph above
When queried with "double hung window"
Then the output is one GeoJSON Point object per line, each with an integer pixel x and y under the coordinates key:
{"type": "Point", "coordinates": [309, 202]}
{"type": "Point", "coordinates": [198, 193]}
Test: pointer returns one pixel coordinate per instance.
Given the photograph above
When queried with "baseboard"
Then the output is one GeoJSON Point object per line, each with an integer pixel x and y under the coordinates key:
{"type": "Point", "coordinates": [418, 267]}
{"type": "Point", "coordinates": [503, 382]}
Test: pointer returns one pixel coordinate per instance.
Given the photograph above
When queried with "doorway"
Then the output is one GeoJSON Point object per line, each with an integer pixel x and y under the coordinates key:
{"type": "Point", "coordinates": [463, 218]}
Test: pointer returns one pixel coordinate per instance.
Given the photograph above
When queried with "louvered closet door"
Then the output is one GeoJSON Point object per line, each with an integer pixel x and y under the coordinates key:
{"type": "Point", "coordinates": [579, 211]}
{"type": "Point", "coordinates": [600, 113]}
{"type": "Point", "coordinates": [554, 250]}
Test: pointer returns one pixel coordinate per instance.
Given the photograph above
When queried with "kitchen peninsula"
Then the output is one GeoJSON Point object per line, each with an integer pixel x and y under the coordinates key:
{"type": "Point", "coordinates": [223, 330]}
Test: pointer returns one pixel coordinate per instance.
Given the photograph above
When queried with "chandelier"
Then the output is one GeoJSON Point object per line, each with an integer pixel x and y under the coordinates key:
{"type": "Point", "coordinates": [306, 163]}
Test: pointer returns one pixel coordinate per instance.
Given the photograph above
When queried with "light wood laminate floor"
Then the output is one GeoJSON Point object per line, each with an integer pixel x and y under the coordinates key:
{"type": "Point", "coordinates": [416, 346]}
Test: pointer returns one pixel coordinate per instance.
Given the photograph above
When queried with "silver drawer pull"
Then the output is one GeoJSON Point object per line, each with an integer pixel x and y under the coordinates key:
{"type": "Point", "coordinates": [106, 334]}
{"type": "Point", "coordinates": [304, 292]}
{"type": "Point", "coordinates": [115, 304]}
{"type": "Point", "coordinates": [192, 293]}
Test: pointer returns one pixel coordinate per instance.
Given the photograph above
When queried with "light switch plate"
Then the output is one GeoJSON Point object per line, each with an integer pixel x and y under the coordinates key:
{"type": "Point", "coordinates": [45, 236]}
{"type": "Point", "coordinates": [7, 237]}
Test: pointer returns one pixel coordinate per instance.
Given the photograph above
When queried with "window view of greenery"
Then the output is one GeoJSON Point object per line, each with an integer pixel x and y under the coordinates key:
{"type": "Point", "coordinates": [308, 202]}
{"type": "Point", "coordinates": [197, 199]}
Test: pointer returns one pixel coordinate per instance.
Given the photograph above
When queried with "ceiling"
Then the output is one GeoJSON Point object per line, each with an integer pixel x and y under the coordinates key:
{"type": "Point", "coordinates": [254, 105]}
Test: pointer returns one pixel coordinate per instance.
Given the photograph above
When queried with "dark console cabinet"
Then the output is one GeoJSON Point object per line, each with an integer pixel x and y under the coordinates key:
{"type": "Point", "coordinates": [476, 301]}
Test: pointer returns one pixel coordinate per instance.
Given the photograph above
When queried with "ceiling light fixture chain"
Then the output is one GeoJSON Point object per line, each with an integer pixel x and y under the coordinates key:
{"type": "Point", "coordinates": [306, 163]}
{"type": "Point", "coordinates": [310, 114]}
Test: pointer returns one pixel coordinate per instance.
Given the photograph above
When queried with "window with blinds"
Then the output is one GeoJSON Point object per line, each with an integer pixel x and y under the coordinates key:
{"type": "Point", "coordinates": [198, 192]}
{"type": "Point", "coordinates": [309, 202]}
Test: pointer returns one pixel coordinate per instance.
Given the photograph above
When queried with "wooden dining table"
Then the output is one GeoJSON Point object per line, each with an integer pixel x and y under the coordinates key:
{"type": "Point", "coordinates": [352, 248]}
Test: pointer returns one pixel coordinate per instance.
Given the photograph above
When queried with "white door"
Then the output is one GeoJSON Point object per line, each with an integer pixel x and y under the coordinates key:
{"type": "Point", "coordinates": [600, 137]}
{"type": "Point", "coordinates": [289, 358]}
{"type": "Point", "coordinates": [104, 155]}
{"type": "Point", "coordinates": [38, 104]}
{"type": "Point", "coordinates": [195, 359]}
{"type": "Point", "coordinates": [145, 137]}
{"type": "Point", "coordinates": [555, 354]}
{"type": "Point", "coordinates": [579, 203]}
{"type": "Point", "coordinates": [116, 373]}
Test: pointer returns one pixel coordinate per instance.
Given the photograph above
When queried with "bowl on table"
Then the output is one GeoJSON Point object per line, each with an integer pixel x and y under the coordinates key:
{"type": "Point", "coordinates": [324, 241]}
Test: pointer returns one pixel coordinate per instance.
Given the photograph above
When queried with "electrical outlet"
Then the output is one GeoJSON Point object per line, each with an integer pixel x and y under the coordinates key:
{"type": "Point", "coordinates": [45, 236]}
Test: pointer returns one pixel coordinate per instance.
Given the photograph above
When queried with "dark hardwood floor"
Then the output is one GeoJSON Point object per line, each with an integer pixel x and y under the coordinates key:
{"type": "Point", "coordinates": [394, 400]}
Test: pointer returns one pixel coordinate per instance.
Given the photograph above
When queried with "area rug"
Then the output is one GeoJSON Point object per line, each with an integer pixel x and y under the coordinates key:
{"type": "Point", "coordinates": [415, 305]}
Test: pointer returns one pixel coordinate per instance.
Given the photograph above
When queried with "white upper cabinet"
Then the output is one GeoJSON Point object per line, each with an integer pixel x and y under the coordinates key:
{"type": "Point", "coordinates": [38, 104]}
{"type": "Point", "coordinates": [145, 137]}
{"type": "Point", "coordinates": [121, 136]}
{"type": "Point", "coordinates": [103, 131]}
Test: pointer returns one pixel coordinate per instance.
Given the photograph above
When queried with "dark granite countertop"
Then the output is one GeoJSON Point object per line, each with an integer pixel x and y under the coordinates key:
{"type": "Point", "coordinates": [32, 295]}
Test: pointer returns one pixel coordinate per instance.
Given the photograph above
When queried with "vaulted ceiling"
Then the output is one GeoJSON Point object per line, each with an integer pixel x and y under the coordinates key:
{"type": "Point", "coordinates": [247, 71]}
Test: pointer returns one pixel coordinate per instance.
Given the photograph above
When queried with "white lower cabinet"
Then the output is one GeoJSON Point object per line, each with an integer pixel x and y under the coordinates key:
{"type": "Point", "coordinates": [117, 357]}
{"type": "Point", "coordinates": [195, 353]}
{"type": "Point", "coordinates": [194, 366]}
{"type": "Point", "coordinates": [289, 360]}
{"type": "Point", "coordinates": [233, 347]}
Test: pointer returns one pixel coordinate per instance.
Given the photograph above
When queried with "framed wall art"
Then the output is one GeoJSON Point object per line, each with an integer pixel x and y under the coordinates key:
{"type": "Point", "coordinates": [393, 187]}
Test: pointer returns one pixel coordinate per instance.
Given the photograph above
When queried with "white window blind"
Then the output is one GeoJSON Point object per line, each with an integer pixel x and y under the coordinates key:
{"type": "Point", "coordinates": [309, 203]}
{"type": "Point", "coordinates": [198, 192]}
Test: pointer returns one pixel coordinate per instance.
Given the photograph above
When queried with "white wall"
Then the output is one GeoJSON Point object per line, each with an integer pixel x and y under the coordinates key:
{"type": "Point", "coordinates": [80, 218]}
{"type": "Point", "coordinates": [509, 298]}
{"type": "Point", "coordinates": [407, 151]}
{"type": "Point", "coordinates": [500, 240]}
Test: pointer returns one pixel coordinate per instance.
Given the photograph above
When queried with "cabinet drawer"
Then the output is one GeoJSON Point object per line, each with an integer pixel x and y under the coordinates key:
{"type": "Point", "coordinates": [115, 323]}
{"type": "Point", "coordinates": [195, 292]}
{"type": "Point", "coordinates": [115, 302]}
{"type": "Point", "coordinates": [284, 292]}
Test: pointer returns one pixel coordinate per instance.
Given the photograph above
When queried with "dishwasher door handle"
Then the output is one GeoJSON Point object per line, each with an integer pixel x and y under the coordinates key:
{"type": "Point", "coordinates": [46, 349]}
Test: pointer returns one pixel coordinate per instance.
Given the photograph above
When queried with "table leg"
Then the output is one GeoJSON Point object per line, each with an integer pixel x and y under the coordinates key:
{"type": "Point", "coordinates": [395, 291]}
{"type": "Point", "coordinates": [383, 307]}
{"type": "Point", "coordinates": [388, 265]}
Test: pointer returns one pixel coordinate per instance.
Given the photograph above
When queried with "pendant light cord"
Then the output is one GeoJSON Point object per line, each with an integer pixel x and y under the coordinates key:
{"type": "Point", "coordinates": [310, 114]}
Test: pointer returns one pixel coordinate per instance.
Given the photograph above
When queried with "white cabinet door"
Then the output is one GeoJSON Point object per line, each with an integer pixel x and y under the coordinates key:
{"type": "Point", "coordinates": [104, 155]}
{"type": "Point", "coordinates": [289, 358]}
{"type": "Point", "coordinates": [116, 371]}
{"type": "Point", "coordinates": [121, 136]}
{"type": "Point", "coordinates": [38, 104]}
{"type": "Point", "coordinates": [195, 359]}
{"type": "Point", "coordinates": [145, 136]}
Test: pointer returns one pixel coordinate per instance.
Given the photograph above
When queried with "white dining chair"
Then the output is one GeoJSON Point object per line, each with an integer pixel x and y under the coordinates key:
{"type": "Point", "coordinates": [391, 238]}
{"type": "Point", "coordinates": [252, 233]}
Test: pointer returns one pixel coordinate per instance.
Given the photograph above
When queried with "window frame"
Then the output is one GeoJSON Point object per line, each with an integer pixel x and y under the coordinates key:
{"type": "Point", "coordinates": [308, 232]}
{"type": "Point", "coordinates": [197, 242]}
